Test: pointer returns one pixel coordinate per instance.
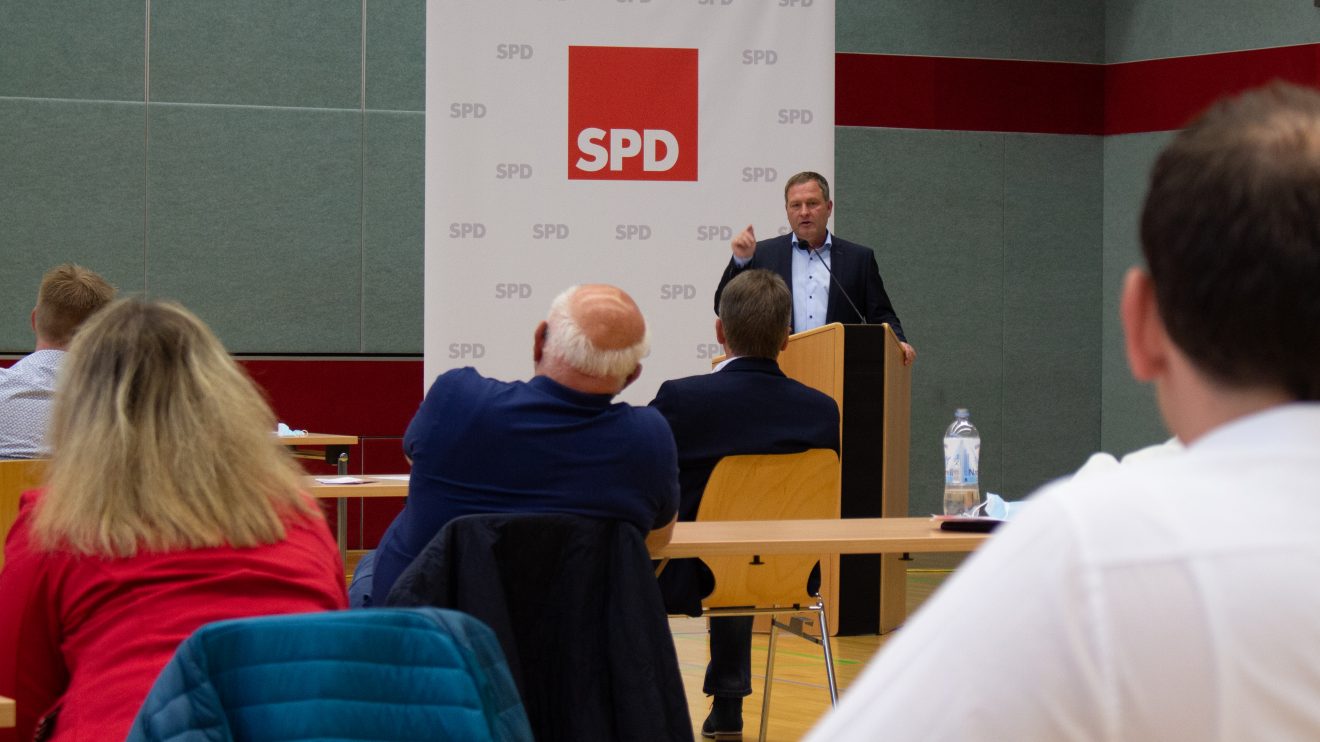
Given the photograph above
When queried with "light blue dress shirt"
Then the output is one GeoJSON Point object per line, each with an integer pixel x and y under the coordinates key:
{"type": "Point", "coordinates": [811, 285]}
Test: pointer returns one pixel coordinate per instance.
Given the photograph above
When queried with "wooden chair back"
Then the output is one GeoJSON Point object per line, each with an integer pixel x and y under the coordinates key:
{"type": "Point", "coordinates": [16, 477]}
{"type": "Point", "coordinates": [798, 486]}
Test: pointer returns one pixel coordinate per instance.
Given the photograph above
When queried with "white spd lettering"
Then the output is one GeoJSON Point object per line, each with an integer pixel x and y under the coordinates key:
{"type": "Point", "coordinates": [624, 144]}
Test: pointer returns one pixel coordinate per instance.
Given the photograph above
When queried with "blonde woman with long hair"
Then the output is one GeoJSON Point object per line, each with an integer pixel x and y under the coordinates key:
{"type": "Point", "coordinates": [168, 504]}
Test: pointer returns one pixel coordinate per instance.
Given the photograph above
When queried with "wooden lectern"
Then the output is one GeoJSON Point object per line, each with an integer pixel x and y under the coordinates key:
{"type": "Point", "coordinates": [861, 367]}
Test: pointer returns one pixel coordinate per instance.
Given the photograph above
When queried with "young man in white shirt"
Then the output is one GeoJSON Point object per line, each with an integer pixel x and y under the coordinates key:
{"type": "Point", "coordinates": [69, 294]}
{"type": "Point", "coordinates": [1174, 598]}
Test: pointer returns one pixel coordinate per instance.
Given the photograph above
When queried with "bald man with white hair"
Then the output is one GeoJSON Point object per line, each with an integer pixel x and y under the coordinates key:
{"type": "Point", "coordinates": [556, 443]}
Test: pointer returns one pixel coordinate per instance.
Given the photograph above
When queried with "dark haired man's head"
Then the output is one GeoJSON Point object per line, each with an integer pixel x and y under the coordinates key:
{"type": "Point", "coordinates": [808, 207]}
{"type": "Point", "coordinates": [807, 176]}
{"type": "Point", "coordinates": [755, 310]}
{"type": "Point", "coordinates": [69, 294]}
{"type": "Point", "coordinates": [1231, 237]}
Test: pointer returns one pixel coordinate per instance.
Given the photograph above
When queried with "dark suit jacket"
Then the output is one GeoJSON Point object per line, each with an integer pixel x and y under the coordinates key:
{"type": "Point", "coordinates": [854, 269]}
{"type": "Point", "coordinates": [748, 407]}
{"type": "Point", "coordinates": [574, 604]}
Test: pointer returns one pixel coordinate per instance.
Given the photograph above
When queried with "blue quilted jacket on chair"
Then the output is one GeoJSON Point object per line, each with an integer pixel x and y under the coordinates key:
{"type": "Point", "coordinates": [388, 674]}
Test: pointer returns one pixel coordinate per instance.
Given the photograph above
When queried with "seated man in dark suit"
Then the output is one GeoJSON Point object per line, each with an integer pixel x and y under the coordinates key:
{"type": "Point", "coordinates": [747, 406]}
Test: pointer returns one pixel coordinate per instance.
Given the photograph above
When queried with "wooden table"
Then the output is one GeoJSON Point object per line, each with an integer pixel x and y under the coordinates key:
{"type": "Point", "coordinates": [845, 536]}
{"type": "Point", "coordinates": [373, 487]}
{"type": "Point", "coordinates": [724, 538]}
{"type": "Point", "coordinates": [380, 485]}
{"type": "Point", "coordinates": [333, 449]}
{"type": "Point", "coordinates": [6, 712]}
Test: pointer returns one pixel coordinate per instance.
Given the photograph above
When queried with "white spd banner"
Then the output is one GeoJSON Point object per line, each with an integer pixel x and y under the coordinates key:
{"type": "Point", "coordinates": [609, 141]}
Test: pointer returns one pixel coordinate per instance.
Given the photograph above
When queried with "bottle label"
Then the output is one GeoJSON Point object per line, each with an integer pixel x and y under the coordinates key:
{"type": "Point", "coordinates": [961, 458]}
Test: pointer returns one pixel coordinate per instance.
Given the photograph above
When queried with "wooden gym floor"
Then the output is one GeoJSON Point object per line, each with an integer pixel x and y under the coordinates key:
{"type": "Point", "coordinates": [800, 696]}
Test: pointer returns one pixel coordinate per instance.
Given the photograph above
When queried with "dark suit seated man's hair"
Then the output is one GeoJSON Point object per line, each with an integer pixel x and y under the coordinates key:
{"type": "Point", "coordinates": [756, 309]}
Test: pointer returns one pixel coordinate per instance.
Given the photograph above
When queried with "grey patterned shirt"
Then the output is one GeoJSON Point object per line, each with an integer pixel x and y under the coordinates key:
{"type": "Point", "coordinates": [26, 391]}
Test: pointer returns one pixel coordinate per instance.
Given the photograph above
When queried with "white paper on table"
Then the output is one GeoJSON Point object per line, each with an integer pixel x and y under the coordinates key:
{"type": "Point", "coordinates": [340, 480]}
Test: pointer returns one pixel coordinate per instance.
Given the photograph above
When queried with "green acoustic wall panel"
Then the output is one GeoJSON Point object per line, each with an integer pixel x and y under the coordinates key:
{"type": "Point", "coordinates": [1155, 29]}
{"type": "Point", "coordinates": [1007, 29]}
{"type": "Point", "coordinates": [1129, 418]}
{"type": "Point", "coordinates": [396, 55]}
{"type": "Point", "coordinates": [392, 245]}
{"type": "Point", "coordinates": [257, 52]}
{"type": "Point", "coordinates": [85, 49]}
{"type": "Point", "coordinates": [71, 189]}
{"type": "Point", "coordinates": [931, 203]}
{"type": "Point", "coordinates": [255, 223]}
{"type": "Point", "coordinates": [1052, 265]}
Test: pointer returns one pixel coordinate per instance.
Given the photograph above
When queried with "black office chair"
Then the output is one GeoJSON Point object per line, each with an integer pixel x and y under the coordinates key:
{"type": "Point", "coordinates": [576, 608]}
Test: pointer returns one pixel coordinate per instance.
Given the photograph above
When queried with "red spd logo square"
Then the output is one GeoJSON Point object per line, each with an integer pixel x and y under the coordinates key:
{"type": "Point", "coordinates": [632, 113]}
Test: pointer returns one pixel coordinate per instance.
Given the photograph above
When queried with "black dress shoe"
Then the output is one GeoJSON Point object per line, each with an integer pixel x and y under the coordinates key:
{"type": "Point", "coordinates": [725, 720]}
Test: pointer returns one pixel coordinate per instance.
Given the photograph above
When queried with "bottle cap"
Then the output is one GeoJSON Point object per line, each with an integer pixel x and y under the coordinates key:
{"type": "Point", "coordinates": [960, 412]}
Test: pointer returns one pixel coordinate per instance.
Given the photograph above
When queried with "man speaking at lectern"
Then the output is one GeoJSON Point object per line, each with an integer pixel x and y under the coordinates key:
{"type": "Point", "coordinates": [832, 279]}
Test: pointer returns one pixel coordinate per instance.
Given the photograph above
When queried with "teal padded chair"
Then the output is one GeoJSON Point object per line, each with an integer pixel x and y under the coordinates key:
{"type": "Point", "coordinates": [386, 674]}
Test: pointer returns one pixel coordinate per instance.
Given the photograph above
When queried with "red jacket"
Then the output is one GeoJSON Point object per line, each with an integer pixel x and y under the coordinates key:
{"type": "Point", "coordinates": [90, 634]}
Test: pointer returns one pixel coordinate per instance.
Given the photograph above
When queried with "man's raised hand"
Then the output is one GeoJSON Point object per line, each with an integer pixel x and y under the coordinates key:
{"type": "Point", "coordinates": [744, 244]}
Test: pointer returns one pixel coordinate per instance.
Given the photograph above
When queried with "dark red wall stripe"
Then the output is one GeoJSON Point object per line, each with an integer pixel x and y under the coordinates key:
{"type": "Point", "coordinates": [1163, 94]}
{"type": "Point", "coordinates": [968, 94]}
{"type": "Point", "coordinates": [366, 398]}
{"type": "Point", "coordinates": [370, 398]}
{"type": "Point", "coordinates": [883, 90]}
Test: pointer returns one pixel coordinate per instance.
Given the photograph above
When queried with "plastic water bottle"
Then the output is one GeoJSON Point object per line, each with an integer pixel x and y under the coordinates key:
{"type": "Point", "coordinates": [962, 455]}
